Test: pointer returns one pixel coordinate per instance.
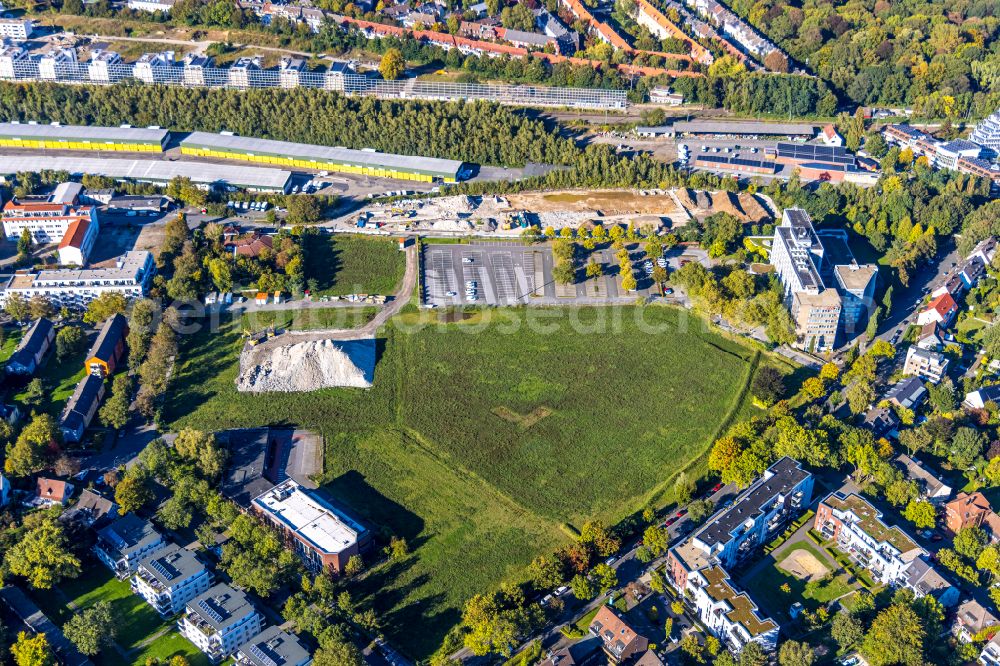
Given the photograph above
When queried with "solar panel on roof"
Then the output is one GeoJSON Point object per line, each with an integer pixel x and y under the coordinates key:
{"type": "Point", "coordinates": [209, 611]}
{"type": "Point", "coordinates": [262, 656]}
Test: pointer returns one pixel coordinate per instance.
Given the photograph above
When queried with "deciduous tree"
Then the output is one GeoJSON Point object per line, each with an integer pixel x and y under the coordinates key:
{"type": "Point", "coordinates": [42, 556]}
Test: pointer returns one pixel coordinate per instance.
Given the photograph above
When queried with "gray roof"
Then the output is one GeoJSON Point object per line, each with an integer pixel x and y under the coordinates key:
{"type": "Point", "coordinates": [881, 420]}
{"type": "Point", "coordinates": [172, 565]}
{"type": "Point", "coordinates": [87, 392]}
{"type": "Point", "coordinates": [785, 474]}
{"type": "Point", "coordinates": [274, 647]}
{"type": "Point", "coordinates": [112, 332]}
{"type": "Point", "coordinates": [32, 342]}
{"type": "Point", "coordinates": [923, 579]}
{"type": "Point", "coordinates": [917, 472]}
{"type": "Point", "coordinates": [743, 127]}
{"type": "Point", "coordinates": [909, 393]}
{"type": "Point", "coordinates": [129, 534]}
{"type": "Point", "coordinates": [304, 151]}
{"type": "Point", "coordinates": [83, 133]}
{"type": "Point", "coordinates": [221, 606]}
{"type": "Point", "coordinates": [160, 171]}
{"type": "Point", "coordinates": [91, 505]}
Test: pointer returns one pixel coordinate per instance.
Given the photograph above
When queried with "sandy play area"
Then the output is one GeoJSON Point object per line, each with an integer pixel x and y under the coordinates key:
{"type": "Point", "coordinates": [803, 565]}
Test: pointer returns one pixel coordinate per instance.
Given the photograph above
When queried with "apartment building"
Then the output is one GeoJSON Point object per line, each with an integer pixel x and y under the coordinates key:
{"type": "Point", "coordinates": [125, 542]}
{"type": "Point", "coordinates": [245, 72]}
{"type": "Point", "coordinates": [990, 656]}
{"type": "Point", "coordinates": [152, 5]}
{"type": "Point", "coordinates": [52, 65]}
{"type": "Point", "coordinates": [986, 133]}
{"type": "Point", "coordinates": [621, 643]}
{"type": "Point", "coordinates": [273, 647]}
{"type": "Point", "coordinates": [929, 365]}
{"type": "Point", "coordinates": [322, 535]}
{"type": "Point", "coordinates": [219, 621]}
{"type": "Point", "coordinates": [16, 29]}
{"type": "Point", "coordinates": [288, 71]}
{"type": "Point", "coordinates": [156, 67]}
{"type": "Point", "coordinates": [857, 526]}
{"type": "Point", "coordinates": [193, 68]}
{"type": "Point", "coordinates": [729, 613]}
{"type": "Point", "coordinates": [101, 64]}
{"type": "Point", "coordinates": [13, 59]}
{"type": "Point", "coordinates": [47, 220]}
{"type": "Point", "coordinates": [971, 619]}
{"type": "Point", "coordinates": [696, 568]}
{"type": "Point", "coordinates": [972, 510]}
{"type": "Point", "coordinates": [889, 554]}
{"type": "Point", "coordinates": [732, 534]}
{"type": "Point", "coordinates": [74, 288]}
{"type": "Point", "coordinates": [170, 578]}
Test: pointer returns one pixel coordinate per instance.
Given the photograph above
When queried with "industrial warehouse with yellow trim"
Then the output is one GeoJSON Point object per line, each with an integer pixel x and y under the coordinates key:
{"type": "Point", "coordinates": [75, 137]}
{"type": "Point", "coordinates": [365, 162]}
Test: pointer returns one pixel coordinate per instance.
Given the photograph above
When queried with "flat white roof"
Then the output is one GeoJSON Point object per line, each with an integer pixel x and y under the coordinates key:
{"type": "Point", "coordinates": [309, 517]}
{"type": "Point", "coordinates": [152, 170]}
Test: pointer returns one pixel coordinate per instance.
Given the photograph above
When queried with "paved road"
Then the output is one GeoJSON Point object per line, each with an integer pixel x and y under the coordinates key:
{"type": "Point", "coordinates": [907, 301]}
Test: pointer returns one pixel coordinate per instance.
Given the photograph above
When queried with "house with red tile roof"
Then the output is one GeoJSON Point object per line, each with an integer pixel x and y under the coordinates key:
{"type": "Point", "coordinates": [620, 641]}
{"type": "Point", "coordinates": [52, 491]}
{"type": "Point", "coordinates": [941, 310]}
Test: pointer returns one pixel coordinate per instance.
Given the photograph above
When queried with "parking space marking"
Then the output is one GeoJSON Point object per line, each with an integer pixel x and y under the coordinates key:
{"type": "Point", "coordinates": [503, 272]}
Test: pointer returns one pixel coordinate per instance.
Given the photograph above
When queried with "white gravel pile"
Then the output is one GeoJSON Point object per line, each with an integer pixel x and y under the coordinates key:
{"type": "Point", "coordinates": [308, 366]}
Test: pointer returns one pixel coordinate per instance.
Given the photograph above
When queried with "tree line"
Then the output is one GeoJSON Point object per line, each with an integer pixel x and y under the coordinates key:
{"type": "Point", "coordinates": [478, 132]}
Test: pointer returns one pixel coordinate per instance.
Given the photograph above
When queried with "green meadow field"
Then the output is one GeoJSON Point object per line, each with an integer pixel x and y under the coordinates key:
{"type": "Point", "coordinates": [482, 437]}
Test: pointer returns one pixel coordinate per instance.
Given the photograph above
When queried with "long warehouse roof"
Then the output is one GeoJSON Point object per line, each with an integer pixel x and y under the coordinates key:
{"type": "Point", "coordinates": [86, 132]}
{"type": "Point", "coordinates": [157, 170]}
{"type": "Point", "coordinates": [305, 151]}
{"type": "Point", "coordinates": [743, 127]}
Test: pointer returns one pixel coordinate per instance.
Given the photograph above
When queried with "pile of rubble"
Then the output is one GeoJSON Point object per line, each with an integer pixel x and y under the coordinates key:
{"type": "Point", "coordinates": [307, 366]}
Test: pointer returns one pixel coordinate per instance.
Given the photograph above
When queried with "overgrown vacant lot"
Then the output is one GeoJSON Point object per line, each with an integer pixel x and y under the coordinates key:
{"type": "Point", "coordinates": [479, 438]}
{"type": "Point", "coordinates": [340, 265]}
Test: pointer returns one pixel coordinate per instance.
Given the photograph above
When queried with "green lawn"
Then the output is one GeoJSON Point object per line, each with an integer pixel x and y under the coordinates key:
{"type": "Point", "coordinates": [342, 264]}
{"type": "Point", "coordinates": [765, 586]}
{"type": "Point", "coordinates": [170, 645]}
{"type": "Point", "coordinates": [305, 319]}
{"type": "Point", "coordinates": [135, 619]}
{"type": "Point", "coordinates": [60, 379]}
{"type": "Point", "coordinates": [10, 341]}
{"type": "Point", "coordinates": [480, 438]}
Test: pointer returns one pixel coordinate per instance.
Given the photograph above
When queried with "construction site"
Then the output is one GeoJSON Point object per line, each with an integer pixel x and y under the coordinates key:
{"type": "Point", "coordinates": [650, 211]}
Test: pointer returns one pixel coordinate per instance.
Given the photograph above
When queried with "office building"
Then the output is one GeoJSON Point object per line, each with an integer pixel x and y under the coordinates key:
{"type": "Point", "coordinates": [13, 59]}
{"type": "Point", "coordinates": [322, 535]}
{"type": "Point", "coordinates": [53, 64]}
{"type": "Point", "coordinates": [826, 291]}
{"type": "Point", "coordinates": [101, 66]}
{"type": "Point", "coordinates": [156, 68]}
{"type": "Point", "coordinates": [170, 578]}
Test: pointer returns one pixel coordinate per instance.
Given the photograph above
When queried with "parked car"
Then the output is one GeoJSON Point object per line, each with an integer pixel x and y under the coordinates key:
{"type": "Point", "coordinates": [716, 488]}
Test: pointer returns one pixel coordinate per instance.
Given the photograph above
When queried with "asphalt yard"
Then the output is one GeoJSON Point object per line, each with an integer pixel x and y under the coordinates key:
{"type": "Point", "coordinates": [510, 273]}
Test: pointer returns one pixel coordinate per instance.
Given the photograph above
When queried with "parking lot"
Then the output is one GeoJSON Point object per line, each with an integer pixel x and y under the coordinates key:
{"type": "Point", "coordinates": [499, 273]}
